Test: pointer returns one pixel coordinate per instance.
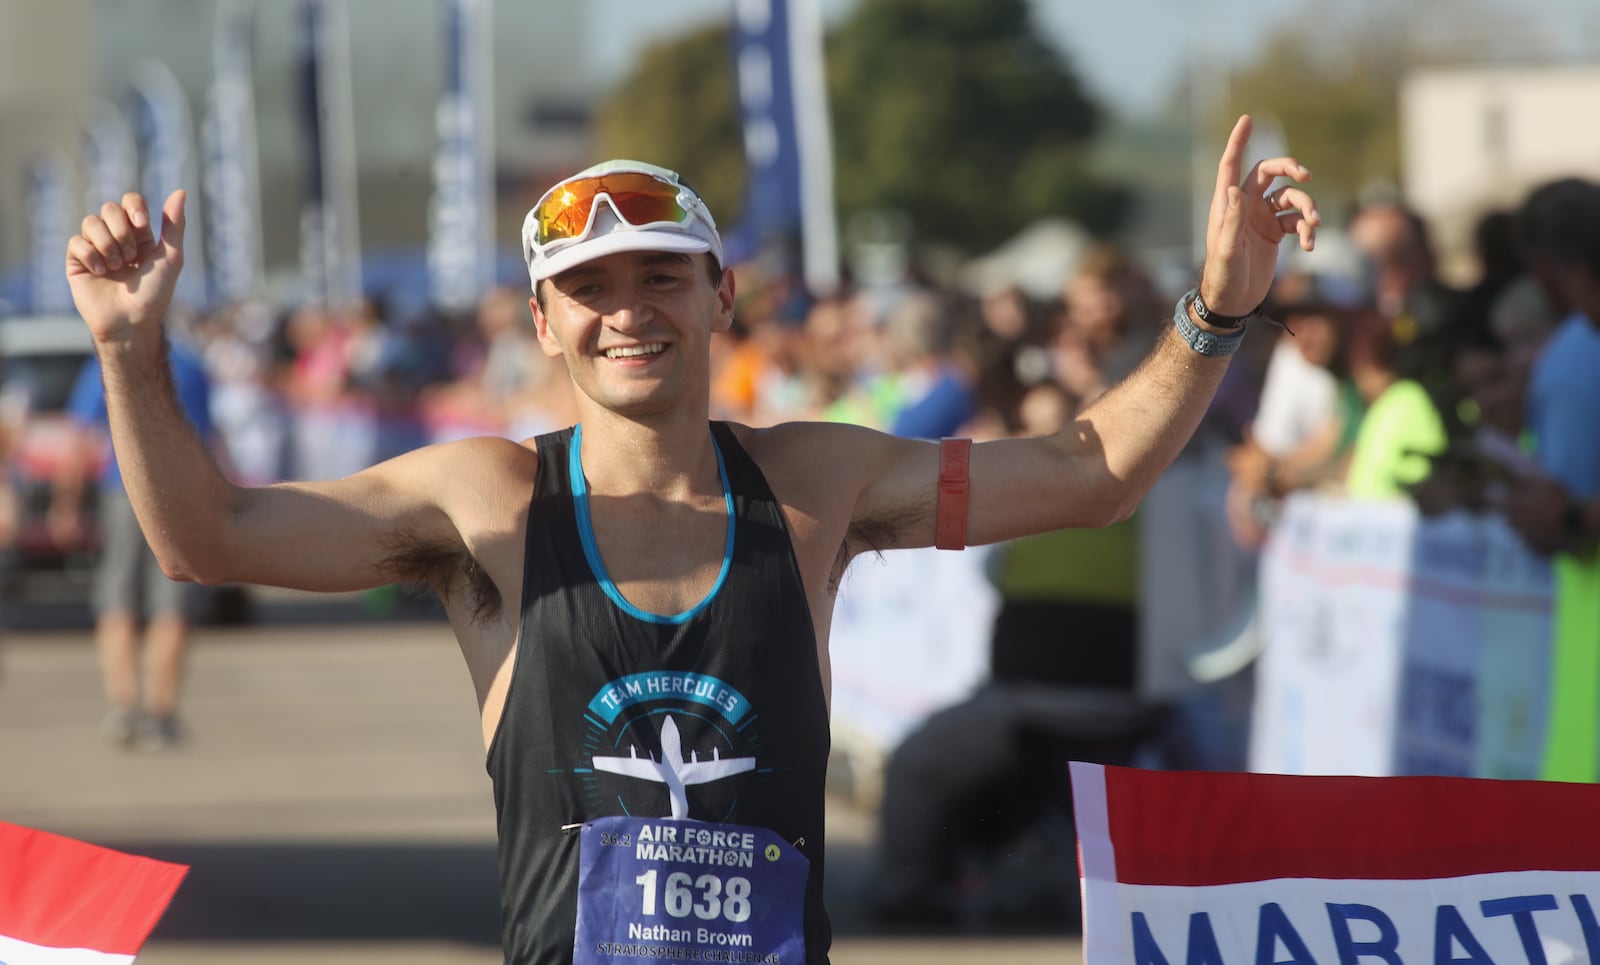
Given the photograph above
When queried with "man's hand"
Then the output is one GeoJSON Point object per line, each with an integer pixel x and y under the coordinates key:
{"type": "Point", "coordinates": [1247, 223]}
{"type": "Point", "coordinates": [122, 276]}
{"type": "Point", "coordinates": [1537, 510]}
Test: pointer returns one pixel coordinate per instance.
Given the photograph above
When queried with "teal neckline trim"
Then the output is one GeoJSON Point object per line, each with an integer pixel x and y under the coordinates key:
{"type": "Point", "coordinates": [591, 550]}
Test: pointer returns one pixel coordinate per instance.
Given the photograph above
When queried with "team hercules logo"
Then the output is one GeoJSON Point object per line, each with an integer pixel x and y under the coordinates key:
{"type": "Point", "coordinates": [670, 743]}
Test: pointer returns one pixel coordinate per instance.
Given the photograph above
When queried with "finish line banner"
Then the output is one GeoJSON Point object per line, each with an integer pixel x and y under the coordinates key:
{"type": "Point", "coordinates": [1215, 869]}
{"type": "Point", "coordinates": [64, 902]}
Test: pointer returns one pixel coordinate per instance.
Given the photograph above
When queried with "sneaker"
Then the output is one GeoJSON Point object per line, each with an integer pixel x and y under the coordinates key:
{"type": "Point", "coordinates": [159, 734]}
{"type": "Point", "coordinates": [121, 726]}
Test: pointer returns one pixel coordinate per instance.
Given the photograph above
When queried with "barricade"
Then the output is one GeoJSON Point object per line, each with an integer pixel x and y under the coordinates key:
{"type": "Point", "coordinates": [1400, 645]}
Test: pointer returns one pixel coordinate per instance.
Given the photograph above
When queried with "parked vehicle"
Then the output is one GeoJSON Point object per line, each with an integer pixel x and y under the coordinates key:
{"type": "Point", "coordinates": [40, 358]}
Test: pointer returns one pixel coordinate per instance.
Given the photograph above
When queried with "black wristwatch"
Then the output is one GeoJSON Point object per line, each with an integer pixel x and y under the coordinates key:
{"type": "Point", "coordinates": [1218, 320]}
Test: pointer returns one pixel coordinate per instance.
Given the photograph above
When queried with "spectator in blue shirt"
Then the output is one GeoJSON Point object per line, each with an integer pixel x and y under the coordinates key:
{"type": "Point", "coordinates": [1562, 410]}
{"type": "Point", "coordinates": [129, 587]}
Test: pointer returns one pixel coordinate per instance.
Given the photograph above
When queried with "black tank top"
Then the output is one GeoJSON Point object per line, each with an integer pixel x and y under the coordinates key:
{"type": "Point", "coordinates": [737, 675]}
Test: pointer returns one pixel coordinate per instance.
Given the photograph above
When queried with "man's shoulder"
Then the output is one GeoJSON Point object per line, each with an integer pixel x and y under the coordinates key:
{"type": "Point", "coordinates": [481, 459]}
{"type": "Point", "coordinates": [785, 441]}
{"type": "Point", "coordinates": [1567, 360]}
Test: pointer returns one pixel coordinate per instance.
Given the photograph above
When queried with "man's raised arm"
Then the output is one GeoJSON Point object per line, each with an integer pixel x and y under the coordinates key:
{"type": "Point", "coordinates": [342, 535]}
{"type": "Point", "coordinates": [1098, 468]}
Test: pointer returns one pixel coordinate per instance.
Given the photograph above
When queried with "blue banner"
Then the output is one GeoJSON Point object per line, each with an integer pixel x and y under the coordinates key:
{"type": "Point", "coordinates": [165, 132]}
{"type": "Point", "coordinates": [232, 184]}
{"type": "Point", "coordinates": [772, 212]}
{"type": "Point", "coordinates": [110, 160]}
{"type": "Point", "coordinates": [50, 224]}
{"type": "Point", "coordinates": [460, 219]}
{"type": "Point", "coordinates": [330, 259]}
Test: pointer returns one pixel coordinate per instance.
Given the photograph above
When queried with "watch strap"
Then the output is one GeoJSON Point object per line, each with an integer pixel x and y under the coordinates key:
{"type": "Point", "coordinates": [1211, 344]}
{"type": "Point", "coordinates": [1215, 318]}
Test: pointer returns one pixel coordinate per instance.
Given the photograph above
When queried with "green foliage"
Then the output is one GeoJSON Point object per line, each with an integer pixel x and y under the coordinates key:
{"type": "Point", "coordinates": [954, 112]}
{"type": "Point", "coordinates": [957, 113]}
{"type": "Point", "coordinates": [677, 108]}
{"type": "Point", "coordinates": [1340, 121]}
{"type": "Point", "coordinates": [1334, 82]}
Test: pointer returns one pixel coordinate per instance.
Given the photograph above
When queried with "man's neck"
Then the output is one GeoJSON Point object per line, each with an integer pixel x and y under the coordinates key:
{"type": "Point", "coordinates": [671, 456]}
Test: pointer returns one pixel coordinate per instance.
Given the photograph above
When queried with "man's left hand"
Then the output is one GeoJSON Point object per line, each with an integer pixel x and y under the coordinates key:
{"type": "Point", "coordinates": [1247, 223]}
{"type": "Point", "coordinates": [1537, 510]}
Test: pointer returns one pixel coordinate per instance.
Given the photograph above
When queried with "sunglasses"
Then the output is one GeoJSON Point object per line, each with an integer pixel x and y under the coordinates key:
{"type": "Point", "coordinates": [566, 212]}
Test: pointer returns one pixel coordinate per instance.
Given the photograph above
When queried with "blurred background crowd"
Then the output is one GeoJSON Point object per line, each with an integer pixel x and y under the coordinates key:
{"type": "Point", "coordinates": [939, 227]}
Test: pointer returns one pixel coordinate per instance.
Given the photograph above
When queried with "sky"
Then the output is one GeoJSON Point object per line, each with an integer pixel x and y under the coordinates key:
{"type": "Point", "coordinates": [1130, 52]}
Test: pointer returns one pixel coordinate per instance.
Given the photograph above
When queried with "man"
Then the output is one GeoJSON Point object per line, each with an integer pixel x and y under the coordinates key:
{"type": "Point", "coordinates": [141, 616]}
{"type": "Point", "coordinates": [643, 601]}
{"type": "Point", "coordinates": [1557, 512]}
{"type": "Point", "coordinates": [1560, 513]}
{"type": "Point", "coordinates": [1393, 239]}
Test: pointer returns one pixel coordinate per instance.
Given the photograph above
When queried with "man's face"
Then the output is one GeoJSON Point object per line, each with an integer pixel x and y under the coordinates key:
{"type": "Point", "coordinates": [1095, 310]}
{"type": "Point", "coordinates": [1384, 237]}
{"type": "Point", "coordinates": [1316, 336]}
{"type": "Point", "coordinates": [635, 329]}
{"type": "Point", "coordinates": [1581, 288]}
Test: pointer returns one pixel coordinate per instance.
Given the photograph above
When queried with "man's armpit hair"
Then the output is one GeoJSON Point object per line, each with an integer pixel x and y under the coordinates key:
{"type": "Point", "coordinates": [874, 534]}
{"type": "Point", "coordinates": [445, 570]}
{"type": "Point", "coordinates": [886, 528]}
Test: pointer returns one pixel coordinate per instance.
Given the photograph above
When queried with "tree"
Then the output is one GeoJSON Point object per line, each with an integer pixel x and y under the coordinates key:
{"type": "Point", "coordinates": [1333, 83]}
{"type": "Point", "coordinates": [957, 113]}
{"type": "Point", "coordinates": [677, 108]}
{"type": "Point", "coordinates": [954, 112]}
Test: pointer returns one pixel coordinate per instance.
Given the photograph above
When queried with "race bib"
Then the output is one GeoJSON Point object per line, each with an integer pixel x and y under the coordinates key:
{"type": "Point", "coordinates": [674, 890]}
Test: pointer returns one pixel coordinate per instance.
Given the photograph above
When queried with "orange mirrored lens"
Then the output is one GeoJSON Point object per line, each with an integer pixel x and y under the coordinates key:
{"type": "Point", "coordinates": [639, 199]}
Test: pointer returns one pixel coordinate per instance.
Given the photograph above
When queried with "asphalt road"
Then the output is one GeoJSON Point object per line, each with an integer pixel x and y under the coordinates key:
{"type": "Point", "coordinates": [332, 803]}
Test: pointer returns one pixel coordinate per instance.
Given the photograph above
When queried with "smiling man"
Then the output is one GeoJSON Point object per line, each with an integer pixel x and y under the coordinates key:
{"type": "Point", "coordinates": [643, 600]}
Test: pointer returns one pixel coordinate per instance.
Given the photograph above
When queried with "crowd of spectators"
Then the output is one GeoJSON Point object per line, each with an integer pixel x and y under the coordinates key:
{"type": "Point", "coordinates": [1380, 380]}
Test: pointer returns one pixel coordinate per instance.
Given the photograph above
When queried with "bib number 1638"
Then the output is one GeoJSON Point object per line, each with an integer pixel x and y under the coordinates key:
{"type": "Point", "coordinates": [707, 897]}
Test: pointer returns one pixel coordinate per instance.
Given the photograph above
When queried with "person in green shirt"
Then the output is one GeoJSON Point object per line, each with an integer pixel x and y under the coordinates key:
{"type": "Point", "coordinates": [1402, 427]}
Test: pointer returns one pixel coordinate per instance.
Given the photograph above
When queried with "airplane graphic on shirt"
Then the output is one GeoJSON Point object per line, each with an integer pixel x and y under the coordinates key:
{"type": "Point", "coordinates": [675, 770]}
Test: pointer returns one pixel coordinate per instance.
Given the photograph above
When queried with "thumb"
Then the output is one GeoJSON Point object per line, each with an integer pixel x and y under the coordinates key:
{"type": "Point", "coordinates": [173, 222]}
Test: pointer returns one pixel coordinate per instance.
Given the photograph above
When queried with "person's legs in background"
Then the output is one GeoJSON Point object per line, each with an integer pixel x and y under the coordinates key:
{"type": "Point", "coordinates": [166, 652]}
{"type": "Point", "coordinates": [116, 600]}
{"type": "Point", "coordinates": [936, 786]}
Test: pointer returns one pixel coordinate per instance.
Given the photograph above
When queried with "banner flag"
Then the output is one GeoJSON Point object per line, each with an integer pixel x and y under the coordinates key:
{"type": "Point", "coordinates": [778, 69]}
{"type": "Point", "coordinates": [232, 177]}
{"type": "Point", "coordinates": [330, 241]}
{"type": "Point", "coordinates": [461, 218]}
{"type": "Point", "coordinates": [65, 902]}
{"type": "Point", "coordinates": [1214, 869]}
{"type": "Point", "coordinates": [50, 224]}
{"type": "Point", "coordinates": [110, 160]}
{"type": "Point", "coordinates": [165, 131]}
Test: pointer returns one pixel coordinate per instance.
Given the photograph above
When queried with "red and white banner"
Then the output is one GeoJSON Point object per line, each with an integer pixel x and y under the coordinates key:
{"type": "Point", "coordinates": [64, 902]}
{"type": "Point", "coordinates": [1213, 869]}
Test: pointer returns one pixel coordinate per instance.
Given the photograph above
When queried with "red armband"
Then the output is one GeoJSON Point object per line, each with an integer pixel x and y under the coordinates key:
{"type": "Point", "coordinates": [955, 480]}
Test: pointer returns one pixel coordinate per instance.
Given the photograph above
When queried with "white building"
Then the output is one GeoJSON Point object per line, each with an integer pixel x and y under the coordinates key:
{"type": "Point", "coordinates": [1477, 139]}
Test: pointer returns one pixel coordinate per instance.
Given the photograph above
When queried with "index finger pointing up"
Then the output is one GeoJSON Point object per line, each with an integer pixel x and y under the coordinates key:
{"type": "Point", "coordinates": [1231, 165]}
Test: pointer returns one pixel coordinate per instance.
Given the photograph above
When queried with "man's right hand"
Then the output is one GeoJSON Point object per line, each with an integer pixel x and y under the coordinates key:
{"type": "Point", "coordinates": [121, 275]}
